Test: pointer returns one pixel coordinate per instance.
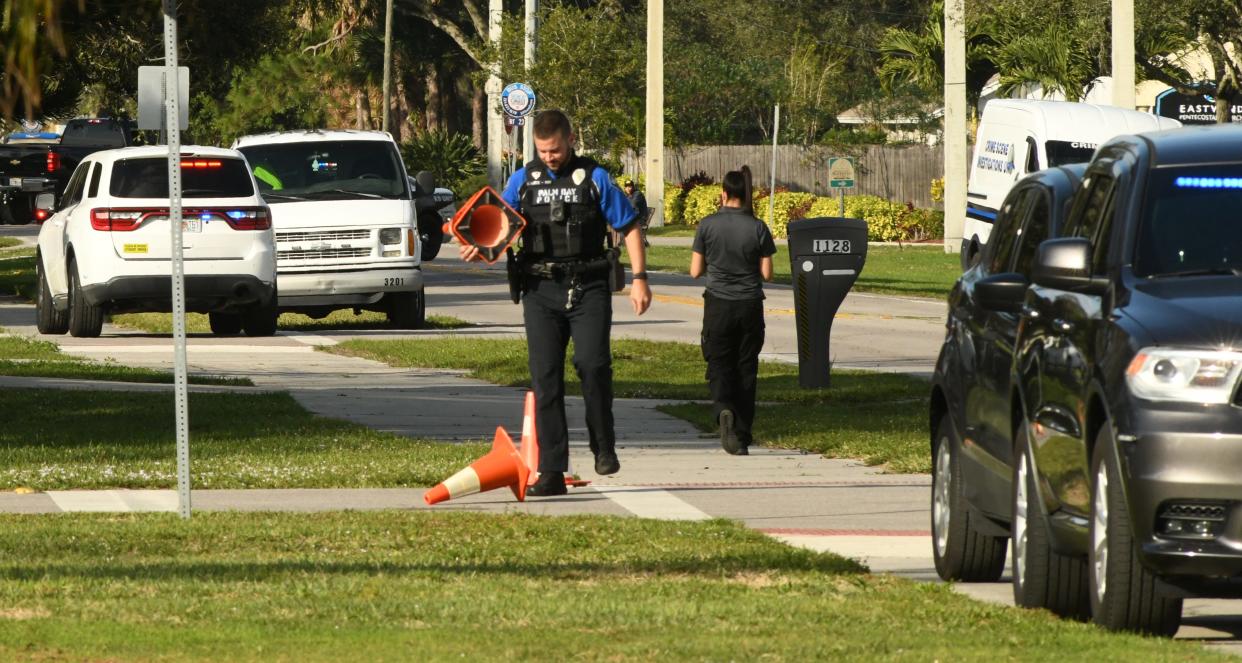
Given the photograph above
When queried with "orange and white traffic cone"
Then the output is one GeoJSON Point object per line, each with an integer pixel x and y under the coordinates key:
{"type": "Point", "coordinates": [529, 450]}
{"type": "Point", "coordinates": [501, 467]}
{"type": "Point", "coordinates": [530, 445]}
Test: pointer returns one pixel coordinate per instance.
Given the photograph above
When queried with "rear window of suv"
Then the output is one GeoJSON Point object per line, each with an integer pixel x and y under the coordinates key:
{"type": "Point", "coordinates": [211, 177]}
{"type": "Point", "coordinates": [1190, 223]}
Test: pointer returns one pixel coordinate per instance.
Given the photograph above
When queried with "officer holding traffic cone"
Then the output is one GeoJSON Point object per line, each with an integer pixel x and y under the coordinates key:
{"type": "Point", "coordinates": [567, 275]}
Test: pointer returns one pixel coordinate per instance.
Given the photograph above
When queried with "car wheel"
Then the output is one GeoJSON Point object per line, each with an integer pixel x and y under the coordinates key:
{"type": "Point", "coordinates": [407, 310]}
{"type": "Point", "coordinates": [85, 320]}
{"type": "Point", "coordinates": [430, 244]}
{"type": "Point", "coordinates": [225, 324]}
{"type": "Point", "coordinates": [260, 319]}
{"type": "Point", "coordinates": [961, 550]}
{"type": "Point", "coordinates": [1042, 577]}
{"type": "Point", "coordinates": [48, 319]}
{"type": "Point", "coordinates": [1124, 596]}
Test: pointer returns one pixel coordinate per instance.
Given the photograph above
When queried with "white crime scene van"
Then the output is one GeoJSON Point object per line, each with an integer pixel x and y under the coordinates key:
{"type": "Point", "coordinates": [345, 221]}
{"type": "Point", "coordinates": [1021, 136]}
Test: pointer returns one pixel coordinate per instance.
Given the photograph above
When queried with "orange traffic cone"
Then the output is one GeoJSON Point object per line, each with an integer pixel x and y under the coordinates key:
{"type": "Point", "coordinates": [530, 445]}
{"type": "Point", "coordinates": [530, 438]}
{"type": "Point", "coordinates": [502, 466]}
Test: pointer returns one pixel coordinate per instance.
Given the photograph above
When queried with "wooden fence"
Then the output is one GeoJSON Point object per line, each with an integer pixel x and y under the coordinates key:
{"type": "Point", "coordinates": [900, 173]}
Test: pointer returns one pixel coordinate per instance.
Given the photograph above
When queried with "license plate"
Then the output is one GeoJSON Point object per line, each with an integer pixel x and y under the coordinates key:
{"type": "Point", "coordinates": [15, 181]}
{"type": "Point", "coordinates": [192, 225]}
{"type": "Point", "coordinates": [831, 246]}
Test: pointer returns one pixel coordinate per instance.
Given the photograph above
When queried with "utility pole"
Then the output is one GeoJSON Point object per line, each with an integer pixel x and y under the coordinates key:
{"type": "Point", "coordinates": [654, 153]}
{"type": "Point", "coordinates": [954, 124]}
{"type": "Point", "coordinates": [495, 123]}
{"type": "Point", "coordinates": [1123, 53]}
{"type": "Point", "coordinates": [532, 27]}
{"type": "Point", "coordinates": [387, 64]}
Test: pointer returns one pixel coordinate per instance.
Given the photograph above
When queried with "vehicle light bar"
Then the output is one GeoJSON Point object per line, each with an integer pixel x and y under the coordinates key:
{"type": "Point", "coordinates": [1208, 182]}
{"type": "Point", "coordinates": [53, 161]}
{"type": "Point", "coordinates": [200, 163]}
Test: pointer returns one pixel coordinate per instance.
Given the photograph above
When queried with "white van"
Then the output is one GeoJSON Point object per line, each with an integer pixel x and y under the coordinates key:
{"type": "Point", "coordinates": [346, 228]}
{"type": "Point", "coordinates": [1021, 136]}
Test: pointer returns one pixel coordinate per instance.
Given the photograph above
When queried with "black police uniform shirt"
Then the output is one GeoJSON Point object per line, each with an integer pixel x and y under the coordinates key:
{"type": "Point", "coordinates": [613, 204]}
{"type": "Point", "coordinates": [732, 241]}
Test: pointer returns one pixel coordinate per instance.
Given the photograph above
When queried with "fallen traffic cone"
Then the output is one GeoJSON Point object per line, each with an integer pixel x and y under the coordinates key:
{"type": "Point", "coordinates": [502, 466]}
{"type": "Point", "coordinates": [529, 450]}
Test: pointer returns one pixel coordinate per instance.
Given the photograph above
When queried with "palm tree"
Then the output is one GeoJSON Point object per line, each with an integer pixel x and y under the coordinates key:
{"type": "Point", "coordinates": [918, 57]}
{"type": "Point", "coordinates": [1053, 58]}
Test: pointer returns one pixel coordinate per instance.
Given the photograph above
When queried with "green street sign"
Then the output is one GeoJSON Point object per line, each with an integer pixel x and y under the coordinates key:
{"type": "Point", "coordinates": [841, 172]}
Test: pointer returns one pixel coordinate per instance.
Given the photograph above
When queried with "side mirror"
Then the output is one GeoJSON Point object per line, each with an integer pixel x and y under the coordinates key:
{"type": "Point", "coordinates": [45, 205]}
{"type": "Point", "coordinates": [1002, 292]}
{"type": "Point", "coordinates": [413, 186]}
{"type": "Point", "coordinates": [1065, 264]}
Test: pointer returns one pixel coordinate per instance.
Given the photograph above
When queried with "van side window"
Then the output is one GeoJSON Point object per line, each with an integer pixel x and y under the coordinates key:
{"type": "Point", "coordinates": [1089, 204]}
{"type": "Point", "coordinates": [1032, 155]}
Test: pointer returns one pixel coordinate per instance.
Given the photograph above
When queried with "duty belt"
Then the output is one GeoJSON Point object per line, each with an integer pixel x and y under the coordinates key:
{"type": "Point", "coordinates": [560, 270]}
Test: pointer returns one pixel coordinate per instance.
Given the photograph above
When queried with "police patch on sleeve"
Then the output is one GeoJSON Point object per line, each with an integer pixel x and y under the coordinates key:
{"type": "Point", "coordinates": [579, 175]}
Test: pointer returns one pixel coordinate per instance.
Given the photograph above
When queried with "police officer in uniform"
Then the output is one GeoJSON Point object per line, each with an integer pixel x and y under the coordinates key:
{"type": "Point", "coordinates": [564, 267]}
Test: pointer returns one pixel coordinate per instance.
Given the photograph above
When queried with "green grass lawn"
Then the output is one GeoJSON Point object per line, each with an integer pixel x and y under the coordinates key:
{"type": "Point", "coordinates": [342, 320]}
{"type": "Point", "coordinates": [402, 586]}
{"type": "Point", "coordinates": [17, 277]}
{"type": "Point", "coordinates": [9, 242]}
{"type": "Point", "coordinates": [913, 270]}
{"type": "Point", "coordinates": [99, 439]}
{"type": "Point", "coordinates": [880, 418]}
{"type": "Point", "coordinates": [30, 357]}
{"type": "Point", "coordinates": [674, 230]}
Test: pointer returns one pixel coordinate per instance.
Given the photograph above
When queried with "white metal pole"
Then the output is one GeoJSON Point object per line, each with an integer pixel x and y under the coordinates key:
{"type": "Point", "coordinates": [387, 65]}
{"type": "Point", "coordinates": [181, 403]}
{"type": "Point", "coordinates": [532, 28]}
{"type": "Point", "coordinates": [776, 132]}
{"type": "Point", "coordinates": [954, 125]}
{"type": "Point", "coordinates": [653, 164]}
{"type": "Point", "coordinates": [1123, 53]}
{"type": "Point", "coordinates": [495, 123]}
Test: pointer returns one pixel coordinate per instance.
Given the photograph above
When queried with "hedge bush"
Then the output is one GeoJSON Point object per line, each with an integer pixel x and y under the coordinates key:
{"type": "Point", "coordinates": [786, 206]}
{"type": "Point", "coordinates": [701, 201]}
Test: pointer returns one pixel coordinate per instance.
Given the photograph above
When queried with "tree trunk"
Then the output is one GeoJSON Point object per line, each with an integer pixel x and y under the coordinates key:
{"type": "Point", "coordinates": [435, 120]}
{"type": "Point", "coordinates": [364, 109]}
{"type": "Point", "coordinates": [480, 117]}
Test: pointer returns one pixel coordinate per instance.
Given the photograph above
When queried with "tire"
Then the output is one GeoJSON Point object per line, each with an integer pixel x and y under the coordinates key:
{"type": "Point", "coordinates": [48, 319]}
{"type": "Point", "coordinates": [260, 319]}
{"type": "Point", "coordinates": [1123, 593]}
{"type": "Point", "coordinates": [407, 310]}
{"type": "Point", "coordinates": [1042, 577]}
{"type": "Point", "coordinates": [429, 244]}
{"type": "Point", "coordinates": [961, 551]}
{"type": "Point", "coordinates": [225, 324]}
{"type": "Point", "coordinates": [85, 320]}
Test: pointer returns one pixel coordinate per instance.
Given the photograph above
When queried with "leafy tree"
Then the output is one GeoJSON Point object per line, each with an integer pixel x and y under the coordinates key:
{"type": "Point", "coordinates": [30, 37]}
{"type": "Point", "coordinates": [1171, 28]}
{"type": "Point", "coordinates": [916, 56]}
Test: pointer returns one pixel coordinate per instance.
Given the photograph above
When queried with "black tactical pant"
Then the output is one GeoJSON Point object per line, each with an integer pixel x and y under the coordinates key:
{"type": "Point", "coordinates": [550, 325]}
{"type": "Point", "coordinates": [732, 340]}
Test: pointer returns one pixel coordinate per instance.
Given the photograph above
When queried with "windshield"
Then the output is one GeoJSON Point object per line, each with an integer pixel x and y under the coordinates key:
{"type": "Point", "coordinates": [1192, 222]}
{"type": "Point", "coordinates": [214, 177]}
{"type": "Point", "coordinates": [1061, 152]}
{"type": "Point", "coordinates": [327, 170]}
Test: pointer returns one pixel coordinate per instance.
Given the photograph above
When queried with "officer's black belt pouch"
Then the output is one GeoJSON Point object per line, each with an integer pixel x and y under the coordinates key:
{"type": "Point", "coordinates": [616, 271]}
{"type": "Point", "coordinates": [516, 274]}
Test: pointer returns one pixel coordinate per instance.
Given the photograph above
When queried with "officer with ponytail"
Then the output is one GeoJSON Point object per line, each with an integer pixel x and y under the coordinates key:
{"type": "Point", "coordinates": [565, 274]}
{"type": "Point", "coordinates": [734, 249]}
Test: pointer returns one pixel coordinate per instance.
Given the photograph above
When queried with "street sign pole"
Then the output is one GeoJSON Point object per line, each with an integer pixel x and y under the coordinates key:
{"type": "Point", "coordinates": [841, 177]}
{"type": "Point", "coordinates": [180, 393]}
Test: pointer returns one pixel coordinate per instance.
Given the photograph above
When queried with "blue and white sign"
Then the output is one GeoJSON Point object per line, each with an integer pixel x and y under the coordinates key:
{"type": "Point", "coordinates": [518, 100]}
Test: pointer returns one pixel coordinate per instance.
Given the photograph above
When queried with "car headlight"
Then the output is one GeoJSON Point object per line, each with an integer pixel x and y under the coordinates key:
{"type": "Point", "coordinates": [1192, 376]}
{"type": "Point", "coordinates": [390, 236]}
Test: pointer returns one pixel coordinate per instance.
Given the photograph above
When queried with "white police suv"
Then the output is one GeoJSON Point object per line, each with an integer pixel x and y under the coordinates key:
{"type": "Point", "coordinates": [107, 247]}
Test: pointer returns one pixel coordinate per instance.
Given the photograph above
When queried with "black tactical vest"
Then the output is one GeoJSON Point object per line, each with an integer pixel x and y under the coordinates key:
{"type": "Point", "coordinates": [563, 219]}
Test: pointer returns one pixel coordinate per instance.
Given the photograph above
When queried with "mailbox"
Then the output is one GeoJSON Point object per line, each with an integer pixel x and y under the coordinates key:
{"type": "Point", "coordinates": [825, 257]}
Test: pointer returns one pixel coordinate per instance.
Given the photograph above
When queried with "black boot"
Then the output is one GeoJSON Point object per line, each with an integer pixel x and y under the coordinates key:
{"type": "Point", "coordinates": [606, 462]}
{"type": "Point", "coordinates": [728, 435]}
{"type": "Point", "coordinates": [549, 484]}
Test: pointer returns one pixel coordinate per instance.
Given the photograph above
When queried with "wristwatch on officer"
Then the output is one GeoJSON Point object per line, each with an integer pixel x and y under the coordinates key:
{"type": "Point", "coordinates": [638, 275]}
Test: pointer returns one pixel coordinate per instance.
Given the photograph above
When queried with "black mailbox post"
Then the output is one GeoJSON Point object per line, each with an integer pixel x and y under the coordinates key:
{"type": "Point", "coordinates": [825, 257]}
